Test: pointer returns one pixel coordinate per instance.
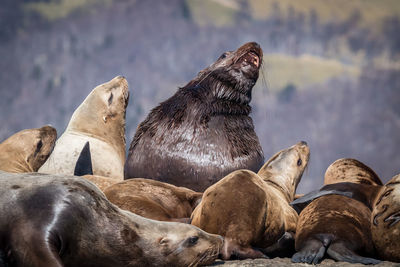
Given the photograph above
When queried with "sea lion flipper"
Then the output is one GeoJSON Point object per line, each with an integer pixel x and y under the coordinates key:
{"type": "Point", "coordinates": [311, 253]}
{"type": "Point", "coordinates": [300, 203]}
{"type": "Point", "coordinates": [282, 248]}
{"type": "Point", "coordinates": [83, 165]}
{"type": "Point", "coordinates": [338, 251]}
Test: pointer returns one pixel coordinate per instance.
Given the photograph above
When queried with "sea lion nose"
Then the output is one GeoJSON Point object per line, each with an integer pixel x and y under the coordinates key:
{"type": "Point", "coordinates": [303, 143]}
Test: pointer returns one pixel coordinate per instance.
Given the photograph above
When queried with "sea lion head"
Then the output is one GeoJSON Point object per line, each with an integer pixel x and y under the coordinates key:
{"type": "Point", "coordinates": [27, 150]}
{"type": "Point", "coordinates": [179, 244]}
{"type": "Point", "coordinates": [350, 170]}
{"type": "Point", "coordinates": [233, 75]}
{"type": "Point", "coordinates": [286, 168]}
{"type": "Point", "coordinates": [102, 113]}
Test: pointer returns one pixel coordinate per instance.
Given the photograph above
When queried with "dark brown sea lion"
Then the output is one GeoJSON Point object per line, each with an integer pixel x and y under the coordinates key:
{"type": "Point", "coordinates": [350, 170]}
{"type": "Point", "coordinates": [27, 150]}
{"type": "Point", "coordinates": [154, 199]}
{"type": "Point", "coordinates": [385, 221]}
{"type": "Point", "coordinates": [252, 210]}
{"type": "Point", "coordinates": [204, 131]}
{"type": "Point", "coordinates": [336, 222]}
{"type": "Point", "coordinates": [99, 119]}
{"type": "Point", "coordinates": [55, 220]}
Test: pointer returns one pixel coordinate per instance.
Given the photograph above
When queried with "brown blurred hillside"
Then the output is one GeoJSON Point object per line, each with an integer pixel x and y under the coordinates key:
{"type": "Point", "coordinates": [330, 76]}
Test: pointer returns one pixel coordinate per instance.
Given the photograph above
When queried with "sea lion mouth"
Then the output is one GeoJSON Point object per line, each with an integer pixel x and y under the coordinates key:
{"type": "Point", "coordinates": [251, 58]}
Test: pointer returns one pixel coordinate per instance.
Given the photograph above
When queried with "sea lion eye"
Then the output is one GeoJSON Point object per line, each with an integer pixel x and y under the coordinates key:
{"type": "Point", "coordinates": [224, 55]}
{"type": "Point", "coordinates": [193, 240]}
{"type": "Point", "coordinates": [299, 162]}
{"type": "Point", "coordinates": [110, 99]}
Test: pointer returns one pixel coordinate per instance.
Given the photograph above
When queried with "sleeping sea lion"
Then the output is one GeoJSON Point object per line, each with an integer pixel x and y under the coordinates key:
{"type": "Point", "coordinates": [350, 170]}
{"type": "Point", "coordinates": [385, 221]}
{"type": "Point", "coordinates": [27, 150]}
{"type": "Point", "coordinates": [57, 220]}
{"type": "Point", "coordinates": [154, 199]}
{"type": "Point", "coordinates": [100, 119]}
{"type": "Point", "coordinates": [337, 222]}
{"type": "Point", "coordinates": [204, 131]}
{"type": "Point", "coordinates": [252, 210]}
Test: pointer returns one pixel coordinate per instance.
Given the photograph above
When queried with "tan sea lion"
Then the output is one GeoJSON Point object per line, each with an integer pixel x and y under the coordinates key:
{"type": "Point", "coordinates": [27, 150]}
{"type": "Point", "coordinates": [100, 119]}
{"type": "Point", "coordinates": [385, 221]}
{"type": "Point", "coordinates": [154, 199]}
{"type": "Point", "coordinates": [350, 170]}
{"type": "Point", "coordinates": [336, 222]}
{"type": "Point", "coordinates": [252, 210]}
{"type": "Point", "coordinates": [204, 131]}
{"type": "Point", "coordinates": [58, 220]}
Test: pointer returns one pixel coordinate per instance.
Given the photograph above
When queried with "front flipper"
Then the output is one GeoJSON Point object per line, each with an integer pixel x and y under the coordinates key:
{"type": "Point", "coordinates": [232, 250]}
{"type": "Point", "coordinates": [312, 252]}
{"type": "Point", "coordinates": [284, 247]}
{"type": "Point", "coordinates": [339, 252]}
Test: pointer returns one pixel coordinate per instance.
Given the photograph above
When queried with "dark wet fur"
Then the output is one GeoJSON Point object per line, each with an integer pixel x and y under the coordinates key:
{"type": "Point", "coordinates": [209, 118]}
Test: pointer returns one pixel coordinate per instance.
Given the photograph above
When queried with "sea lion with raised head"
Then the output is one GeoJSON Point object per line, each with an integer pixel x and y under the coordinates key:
{"type": "Point", "coordinates": [27, 150]}
{"type": "Point", "coordinates": [336, 221]}
{"type": "Point", "coordinates": [154, 199]}
{"type": "Point", "coordinates": [350, 170]}
{"type": "Point", "coordinates": [385, 221]}
{"type": "Point", "coordinates": [100, 119]}
{"type": "Point", "coordinates": [204, 131]}
{"type": "Point", "coordinates": [252, 210]}
{"type": "Point", "coordinates": [57, 220]}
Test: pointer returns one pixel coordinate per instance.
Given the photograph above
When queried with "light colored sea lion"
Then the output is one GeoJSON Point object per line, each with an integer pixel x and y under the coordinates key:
{"type": "Point", "coordinates": [252, 210]}
{"type": "Point", "coordinates": [154, 199]}
{"type": "Point", "coordinates": [101, 182]}
{"type": "Point", "coordinates": [350, 170]}
{"type": "Point", "coordinates": [385, 221]}
{"type": "Point", "coordinates": [204, 131]}
{"type": "Point", "coordinates": [336, 222]}
{"type": "Point", "coordinates": [57, 220]}
{"type": "Point", "coordinates": [100, 119]}
{"type": "Point", "coordinates": [27, 150]}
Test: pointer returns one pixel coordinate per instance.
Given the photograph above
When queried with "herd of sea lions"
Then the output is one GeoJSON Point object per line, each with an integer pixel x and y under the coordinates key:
{"type": "Point", "coordinates": [194, 187]}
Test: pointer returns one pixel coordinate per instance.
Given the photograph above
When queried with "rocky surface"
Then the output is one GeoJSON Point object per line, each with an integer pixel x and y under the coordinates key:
{"type": "Point", "coordinates": [277, 262]}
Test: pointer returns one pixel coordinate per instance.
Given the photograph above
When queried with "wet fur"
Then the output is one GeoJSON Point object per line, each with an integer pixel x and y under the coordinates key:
{"type": "Point", "coordinates": [204, 131]}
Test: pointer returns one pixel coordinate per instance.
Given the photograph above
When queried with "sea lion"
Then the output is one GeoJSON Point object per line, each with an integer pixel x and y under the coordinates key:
{"type": "Point", "coordinates": [27, 150]}
{"type": "Point", "coordinates": [252, 210]}
{"type": "Point", "coordinates": [336, 222]}
{"type": "Point", "coordinates": [204, 131]}
{"type": "Point", "coordinates": [154, 199]}
{"type": "Point", "coordinates": [350, 170]}
{"type": "Point", "coordinates": [58, 220]}
{"type": "Point", "coordinates": [100, 119]}
{"type": "Point", "coordinates": [385, 221]}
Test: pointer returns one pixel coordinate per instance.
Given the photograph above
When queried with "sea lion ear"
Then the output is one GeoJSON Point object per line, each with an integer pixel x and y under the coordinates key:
{"type": "Point", "coordinates": [83, 165]}
{"type": "Point", "coordinates": [299, 204]}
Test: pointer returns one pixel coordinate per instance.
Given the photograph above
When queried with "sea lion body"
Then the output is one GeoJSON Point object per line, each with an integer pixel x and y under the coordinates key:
{"type": "Point", "coordinates": [385, 221]}
{"type": "Point", "coordinates": [99, 120]}
{"type": "Point", "coordinates": [100, 181]}
{"type": "Point", "coordinates": [336, 222]}
{"type": "Point", "coordinates": [55, 220]}
{"type": "Point", "coordinates": [27, 150]}
{"type": "Point", "coordinates": [350, 170]}
{"type": "Point", "coordinates": [252, 210]}
{"type": "Point", "coordinates": [204, 131]}
{"type": "Point", "coordinates": [153, 199]}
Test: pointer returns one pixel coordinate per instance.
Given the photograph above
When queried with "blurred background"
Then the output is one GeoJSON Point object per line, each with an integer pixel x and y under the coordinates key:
{"type": "Point", "coordinates": [331, 72]}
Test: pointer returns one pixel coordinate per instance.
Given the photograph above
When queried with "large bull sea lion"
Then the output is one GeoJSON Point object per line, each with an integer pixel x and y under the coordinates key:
{"type": "Point", "coordinates": [55, 220]}
{"type": "Point", "coordinates": [27, 150]}
{"type": "Point", "coordinates": [204, 131]}
{"type": "Point", "coordinates": [100, 119]}
{"type": "Point", "coordinates": [252, 210]}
